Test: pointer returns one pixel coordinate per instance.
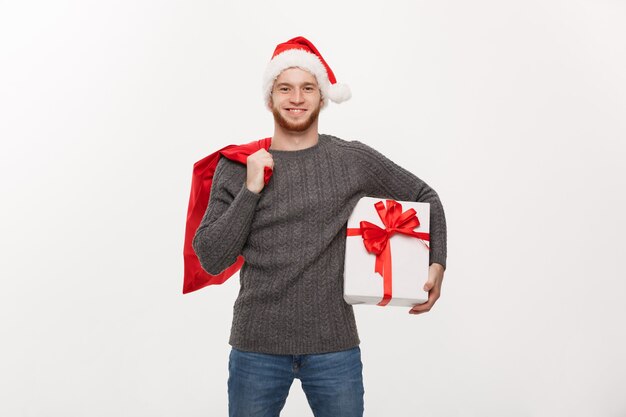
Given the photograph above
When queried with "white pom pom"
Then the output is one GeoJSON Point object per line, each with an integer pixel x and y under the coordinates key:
{"type": "Point", "coordinates": [339, 93]}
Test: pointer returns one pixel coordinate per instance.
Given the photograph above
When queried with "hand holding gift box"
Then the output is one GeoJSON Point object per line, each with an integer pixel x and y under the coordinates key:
{"type": "Point", "coordinates": [380, 234]}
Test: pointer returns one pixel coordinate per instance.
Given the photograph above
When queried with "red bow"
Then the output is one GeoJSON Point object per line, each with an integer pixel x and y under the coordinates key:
{"type": "Point", "coordinates": [376, 239]}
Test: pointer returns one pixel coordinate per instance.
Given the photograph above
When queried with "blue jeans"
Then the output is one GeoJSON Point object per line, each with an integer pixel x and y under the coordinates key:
{"type": "Point", "coordinates": [258, 383]}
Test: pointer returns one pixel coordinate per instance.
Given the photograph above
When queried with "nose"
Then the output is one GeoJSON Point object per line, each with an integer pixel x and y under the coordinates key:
{"type": "Point", "coordinates": [297, 96]}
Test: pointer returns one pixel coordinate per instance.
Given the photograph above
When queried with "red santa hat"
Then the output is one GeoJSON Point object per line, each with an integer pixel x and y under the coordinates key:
{"type": "Point", "coordinates": [301, 53]}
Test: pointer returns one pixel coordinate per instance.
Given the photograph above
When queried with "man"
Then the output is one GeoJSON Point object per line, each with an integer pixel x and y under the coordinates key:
{"type": "Point", "coordinates": [290, 319]}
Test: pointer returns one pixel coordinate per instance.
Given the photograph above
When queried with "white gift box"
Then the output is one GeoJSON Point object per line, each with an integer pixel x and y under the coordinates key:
{"type": "Point", "coordinates": [409, 255]}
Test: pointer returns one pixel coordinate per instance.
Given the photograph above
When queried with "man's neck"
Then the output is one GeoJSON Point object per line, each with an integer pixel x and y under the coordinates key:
{"type": "Point", "coordinates": [293, 141]}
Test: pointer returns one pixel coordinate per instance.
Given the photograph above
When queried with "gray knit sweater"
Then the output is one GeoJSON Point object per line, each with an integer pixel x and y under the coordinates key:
{"type": "Point", "coordinates": [292, 236]}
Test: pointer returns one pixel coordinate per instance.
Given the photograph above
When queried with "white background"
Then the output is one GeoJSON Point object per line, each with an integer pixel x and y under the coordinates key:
{"type": "Point", "coordinates": [512, 111]}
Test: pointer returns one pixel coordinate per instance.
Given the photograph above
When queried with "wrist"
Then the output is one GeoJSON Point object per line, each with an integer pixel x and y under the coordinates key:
{"type": "Point", "coordinates": [253, 189]}
{"type": "Point", "coordinates": [438, 266]}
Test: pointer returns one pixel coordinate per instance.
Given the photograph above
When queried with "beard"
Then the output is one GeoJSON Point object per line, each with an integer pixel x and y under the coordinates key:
{"type": "Point", "coordinates": [300, 126]}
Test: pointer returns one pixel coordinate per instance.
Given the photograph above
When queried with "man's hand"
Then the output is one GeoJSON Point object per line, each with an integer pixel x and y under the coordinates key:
{"type": "Point", "coordinates": [255, 173]}
{"type": "Point", "coordinates": [433, 286]}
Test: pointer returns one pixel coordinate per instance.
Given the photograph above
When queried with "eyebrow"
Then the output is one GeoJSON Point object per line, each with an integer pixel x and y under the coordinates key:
{"type": "Point", "coordinates": [306, 84]}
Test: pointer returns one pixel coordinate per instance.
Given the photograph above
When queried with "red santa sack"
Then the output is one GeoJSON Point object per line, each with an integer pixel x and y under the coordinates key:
{"type": "Point", "coordinates": [195, 277]}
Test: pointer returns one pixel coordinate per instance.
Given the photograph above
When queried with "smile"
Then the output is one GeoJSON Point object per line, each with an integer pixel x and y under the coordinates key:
{"type": "Point", "coordinates": [296, 110]}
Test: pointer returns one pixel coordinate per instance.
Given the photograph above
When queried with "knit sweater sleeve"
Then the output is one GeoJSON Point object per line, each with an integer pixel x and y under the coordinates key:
{"type": "Point", "coordinates": [386, 179]}
{"type": "Point", "coordinates": [226, 224]}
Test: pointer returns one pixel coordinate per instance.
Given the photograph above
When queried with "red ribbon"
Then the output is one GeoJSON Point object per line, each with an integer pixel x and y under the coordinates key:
{"type": "Point", "coordinates": [376, 239]}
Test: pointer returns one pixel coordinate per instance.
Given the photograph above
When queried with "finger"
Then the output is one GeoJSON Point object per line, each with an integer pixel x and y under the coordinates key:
{"type": "Point", "coordinates": [433, 296]}
{"type": "Point", "coordinates": [424, 306]}
{"type": "Point", "coordinates": [419, 309]}
{"type": "Point", "coordinates": [430, 283]}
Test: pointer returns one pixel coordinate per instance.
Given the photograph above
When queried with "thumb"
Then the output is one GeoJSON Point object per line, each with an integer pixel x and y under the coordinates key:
{"type": "Point", "coordinates": [429, 284]}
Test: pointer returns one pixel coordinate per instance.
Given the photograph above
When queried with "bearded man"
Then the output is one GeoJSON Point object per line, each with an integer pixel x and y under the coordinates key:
{"type": "Point", "coordinates": [290, 319]}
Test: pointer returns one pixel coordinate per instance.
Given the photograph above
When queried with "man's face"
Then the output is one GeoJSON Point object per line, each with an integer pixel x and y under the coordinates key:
{"type": "Point", "coordinates": [296, 100]}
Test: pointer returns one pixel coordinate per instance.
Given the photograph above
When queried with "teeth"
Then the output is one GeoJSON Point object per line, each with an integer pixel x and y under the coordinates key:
{"type": "Point", "coordinates": [296, 110]}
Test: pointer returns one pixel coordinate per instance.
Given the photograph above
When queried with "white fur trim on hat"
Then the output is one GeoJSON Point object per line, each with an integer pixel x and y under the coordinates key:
{"type": "Point", "coordinates": [339, 92]}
